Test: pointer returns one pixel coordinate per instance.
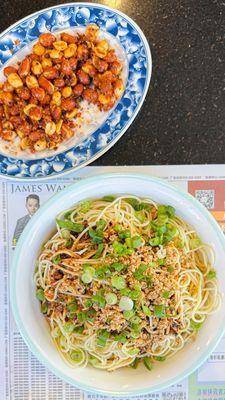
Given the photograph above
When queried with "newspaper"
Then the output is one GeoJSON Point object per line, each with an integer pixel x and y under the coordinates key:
{"type": "Point", "coordinates": [22, 377]}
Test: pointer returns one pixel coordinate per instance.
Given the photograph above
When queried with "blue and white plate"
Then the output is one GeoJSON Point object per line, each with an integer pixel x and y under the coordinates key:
{"type": "Point", "coordinates": [18, 37]}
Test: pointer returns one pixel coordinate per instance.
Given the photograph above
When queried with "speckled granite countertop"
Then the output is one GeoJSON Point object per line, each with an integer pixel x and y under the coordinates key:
{"type": "Point", "coordinates": [183, 118]}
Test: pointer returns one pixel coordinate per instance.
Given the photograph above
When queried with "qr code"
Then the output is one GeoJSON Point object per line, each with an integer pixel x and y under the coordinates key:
{"type": "Point", "coordinates": [206, 197]}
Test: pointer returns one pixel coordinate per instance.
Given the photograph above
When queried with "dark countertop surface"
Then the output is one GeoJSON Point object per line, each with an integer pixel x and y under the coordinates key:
{"type": "Point", "coordinates": [182, 120]}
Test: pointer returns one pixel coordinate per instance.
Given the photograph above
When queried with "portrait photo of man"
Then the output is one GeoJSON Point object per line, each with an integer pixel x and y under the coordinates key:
{"type": "Point", "coordinates": [32, 205]}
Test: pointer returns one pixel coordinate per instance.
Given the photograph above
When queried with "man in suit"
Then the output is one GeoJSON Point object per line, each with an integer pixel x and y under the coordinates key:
{"type": "Point", "coordinates": [32, 205]}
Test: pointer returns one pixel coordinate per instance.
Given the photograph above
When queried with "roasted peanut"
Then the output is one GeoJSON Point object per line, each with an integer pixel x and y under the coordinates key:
{"type": "Point", "coordinates": [55, 54]}
{"type": "Point", "coordinates": [46, 99]}
{"type": "Point", "coordinates": [58, 126]}
{"type": "Point", "coordinates": [70, 51]}
{"type": "Point", "coordinates": [25, 128]}
{"type": "Point", "coordinates": [68, 104]}
{"type": "Point", "coordinates": [9, 70]}
{"type": "Point", "coordinates": [118, 88]}
{"type": "Point", "coordinates": [100, 65]}
{"type": "Point", "coordinates": [1, 111]}
{"type": "Point", "coordinates": [7, 98]}
{"type": "Point", "coordinates": [35, 135]}
{"type": "Point", "coordinates": [56, 112]}
{"type": "Point", "coordinates": [83, 77]}
{"type": "Point", "coordinates": [59, 83]}
{"type": "Point", "coordinates": [40, 145]}
{"type": "Point", "coordinates": [110, 56]}
{"type": "Point", "coordinates": [31, 81]}
{"type": "Point", "coordinates": [50, 128]}
{"type": "Point", "coordinates": [89, 69]}
{"type": "Point", "coordinates": [66, 68]}
{"type": "Point", "coordinates": [7, 125]}
{"type": "Point", "coordinates": [78, 90]}
{"type": "Point", "coordinates": [56, 98]}
{"type": "Point", "coordinates": [14, 110]}
{"type": "Point", "coordinates": [16, 120]}
{"type": "Point", "coordinates": [73, 79]}
{"type": "Point", "coordinates": [67, 91]}
{"type": "Point", "coordinates": [73, 62]}
{"type": "Point", "coordinates": [23, 93]}
{"type": "Point", "coordinates": [68, 38]}
{"type": "Point", "coordinates": [82, 52]}
{"type": "Point", "coordinates": [7, 87]}
{"type": "Point", "coordinates": [116, 67]}
{"type": "Point", "coordinates": [66, 131]}
{"type": "Point", "coordinates": [92, 32]}
{"type": "Point", "coordinates": [104, 99]}
{"type": "Point", "coordinates": [51, 73]}
{"type": "Point", "coordinates": [72, 114]}
{"type": "Point", "coordinates": [38, 49]}
{"type": "Point", "coordinates": [24, 143]}
{"type": "Point", "coordinates": [27, 108]}
{"type": "Point", "coordinates": [47, 39]}
{"type": "Point", "coordinates": [46, 62]}
{"type": "Point", "coordinates": [14, 80]}
{"type": "Point", "coordinates": [46, 84]}
{"type": "Point", "coordinates": [38, 93]}
{"type": "Point", "coordinates": [36, 67]}
{"type": "Point", "coordinates": [35, 113]}
{"type": "Point", "coordinates": [8, 135]}
{"type": "Point", "coordinates": [60, 45]}
{"type": "Point", "coordinates": [101, 48]}
{"type": "Point", "coordinates": [24, 68]}
{"type": "Point", "coordinates": [90, 95]}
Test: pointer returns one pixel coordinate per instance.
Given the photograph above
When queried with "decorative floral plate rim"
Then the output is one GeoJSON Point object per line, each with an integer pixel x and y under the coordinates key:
{"type": "Point", "coordinates": [106, 135]}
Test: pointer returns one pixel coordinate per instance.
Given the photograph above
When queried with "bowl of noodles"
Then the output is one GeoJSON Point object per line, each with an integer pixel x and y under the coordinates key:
{"type": "Point", "coordinates": [123, 284]}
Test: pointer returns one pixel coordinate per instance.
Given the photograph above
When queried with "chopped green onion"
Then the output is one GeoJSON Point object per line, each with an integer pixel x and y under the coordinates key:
{"type": "Point", "coordinates": [196, 325]}
{"type": "Point", "coordinates": [96, 236]}
{"type": "Point", "coordinates": [103, 336]}
{"type": "Point", "coordinates": [134, 294]}
{"type": "Point", "coordinates": [65, 234]}
{"type": "Point", "coordinates": [155, 241]}
{"type": "Point", "coordinates": [194, 243]}
{"type": "Point", "coordinates": [121, 338]}
{"type": "Point", "coordinates": [88, 269]}
{"type": "Point", "coordinates": [161, 261]}
{"type": "Point", "coordinates": [152, 264]}
{"type": "Point", "coordinates": [170, 269]}
{"type": "Point", "coordinates": [137, 205]}
{"type": "Point", "coordinates": [99, 251]}
{"type": "Point", "coordinates": [44, 308]}
{"type": "Point", "coordinates": [125, 292]}
{"type": "Point", "coordinates": [76, 355]}
{"type": "Point", "coordinates": [99, 299]}
{"type": "Point", "coordinates": [160, 358]}
{"type": "Point", "coordinates": [69, 243]}
{"type": "Point", "coordinates": [68, 327]}
{"type": "Point", "coordinates": [133, 352]}
{"type": "Point", "coordinates": [124, 234]}
{"type": "Point", "coordinates": [135, 363]}
{"type": "Point", "coordinates": [148, 363]}
{"type": "Point", "coordinates": [118, 228]}
{"type": "Point", "coordinates": [139, 272]}
{"type": "Point", "coordinates": [85, 206]}
{"type": "Point", "coordinates": [135, 319]}
{"type": "Point", "coordinates": [159, 311]}
{"type": "Point", "coordinates": [79, 329]}
{"type": "Point", "coordinates": [88, 303]}
{"type": "Point", "coordinates": [136, 242]}
{"type": "Point", "coordinates": [82, 316]}
{"type": "Point", "coordinates": [72, 226]}
{"type": "Point", "coordinates": [136, 328]}
{"type": "Point", "coordinates": [118, 282]}
{"type": "Point", "coordinates": [86, 277]}
{"type": "Point", "coordinates": [146, 310]}
{"type": "Point", "coordinates": [162, 219]}
{"type": "Point", "coordinates": [56, 260]}
{"type": "Point", "coordinates": [211, 274]}
{"type": "Point", "coordinates": [118, 266]}
{"type": "Point", "coordinates": [40, 294]}
{"type": "Point", "coordinates": [108, 198]}
{"type": "Point", "coordinates": [72, 307]}
{"type": "Point", "coordinates": [166, 294]}
{"type": "Point", "coordinates": [128, 314]}
{"type": "Point", "coordinates": [126, 304]}
{"type": "Point", "coordinates": [101, 224]}
{"type": "Point", "coordinates": [111, 298]}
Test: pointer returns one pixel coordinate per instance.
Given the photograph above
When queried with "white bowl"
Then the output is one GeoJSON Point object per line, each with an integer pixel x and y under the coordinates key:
{"type": "Point", "coordinates": [34, 328]}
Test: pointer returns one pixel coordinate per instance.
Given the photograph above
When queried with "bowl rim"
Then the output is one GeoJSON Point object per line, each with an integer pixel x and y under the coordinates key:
{"type": "Point", "coordinates": [100, 152]}
{"type": "Point", "coordinates": [55, 198]}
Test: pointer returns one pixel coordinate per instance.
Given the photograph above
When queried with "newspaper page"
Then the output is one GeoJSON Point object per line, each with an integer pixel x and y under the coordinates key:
{"type": "Point", "coordinates": [22, 376]}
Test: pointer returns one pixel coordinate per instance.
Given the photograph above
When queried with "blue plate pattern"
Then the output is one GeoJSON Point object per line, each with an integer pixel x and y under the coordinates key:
{"type": "Point", "coordinates": [139, 72]}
